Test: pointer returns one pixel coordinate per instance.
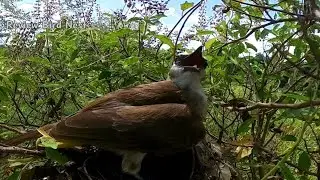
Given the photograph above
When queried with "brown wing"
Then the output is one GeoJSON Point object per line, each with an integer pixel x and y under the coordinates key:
{"type": "Point", "coordinates": [149, 128]}
{"type": "Point", "coordinates": [153, 93]}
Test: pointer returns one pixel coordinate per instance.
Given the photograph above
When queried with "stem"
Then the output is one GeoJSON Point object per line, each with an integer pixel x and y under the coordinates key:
{"type": "Point", "coordinates": [288, 153]}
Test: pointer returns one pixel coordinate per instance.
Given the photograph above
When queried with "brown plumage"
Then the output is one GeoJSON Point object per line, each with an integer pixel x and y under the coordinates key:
{"type": "Point", "coordinates": [146, 118]}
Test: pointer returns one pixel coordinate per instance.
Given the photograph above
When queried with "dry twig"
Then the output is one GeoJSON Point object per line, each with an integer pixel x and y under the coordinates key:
{"type": "Point", "coordinates": [12, 129]}
{"type": "Point", "coordinates": [19, 150]}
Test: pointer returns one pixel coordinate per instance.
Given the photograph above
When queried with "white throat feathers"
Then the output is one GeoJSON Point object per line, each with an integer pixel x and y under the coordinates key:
{"type": "Point", "coordinates": [190, 84]}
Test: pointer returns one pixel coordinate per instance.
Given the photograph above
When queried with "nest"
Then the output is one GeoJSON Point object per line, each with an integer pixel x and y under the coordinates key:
{"type": "Point", "coordinates": [203, 162]}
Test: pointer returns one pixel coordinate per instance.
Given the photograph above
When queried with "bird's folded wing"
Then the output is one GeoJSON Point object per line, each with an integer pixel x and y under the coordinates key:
{"type": "Point", "coordinates": [146, 128]}
{"type": "Point", "coordinates": [146, 94]}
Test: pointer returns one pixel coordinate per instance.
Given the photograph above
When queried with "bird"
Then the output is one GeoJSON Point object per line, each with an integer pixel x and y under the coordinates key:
{"type": "Point", "coordinates": [160, 118]}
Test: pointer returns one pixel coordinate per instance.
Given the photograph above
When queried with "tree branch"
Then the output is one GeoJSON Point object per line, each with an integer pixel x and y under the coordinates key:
{"type": "Point", "coordinates": [259, 105]}
{"type": "Point", "coordinates": [256, 28]}
{"type": "Point", "coordinates": [12, 129]}
{"type": "Point", "coordinates": [19, 150]}
{"type": "Point", "coordinates": [269, 8]}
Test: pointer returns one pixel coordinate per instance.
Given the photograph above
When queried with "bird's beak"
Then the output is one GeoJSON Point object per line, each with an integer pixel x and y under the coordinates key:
{"type": "Point", "coordinates": [194, 61]}
{"type": "Point", "coordinates": [191, 68]}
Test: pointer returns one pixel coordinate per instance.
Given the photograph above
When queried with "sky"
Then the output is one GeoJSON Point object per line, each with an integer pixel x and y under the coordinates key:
{"type": "Point", "coordinates": [173, 15]}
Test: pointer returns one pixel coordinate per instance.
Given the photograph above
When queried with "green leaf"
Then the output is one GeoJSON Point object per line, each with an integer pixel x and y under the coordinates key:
{"type": "Point", "coordinates": [286, 172]}
{"type": "Point", "coordinates": [17, 77]}
{"type": "Point", "coordinates": [234, 61]}
{"type": "Point", "coordinates": [158, 16]}
{"type": "Point", "coordinates": [15, 176]}
{"type": "Point", "coordinates": [55, 155]}
{"type": "Point", "coordinates": [251, 46]}
{"type": "Point", "coordinates": [130, 61]}
{"type": "Point", "coordinates": [245, 126]}
{"type": "Point", "coordinates": [257, 34]}
{"type": "Point", "coordinates": [204, 32]}
{"type": "Point", "coordinates": [209, 43]}
{"type": "Point", "coordinates": [304, 161]}
{"type": "Point", "coordinates": [264, 33]}
{"type": "Point", "coordinates": [165, 40]}
{"type": "Point", "coordinates": [15, 164]}
{"type": "Point", "coordinates": [289, 138]}
{"type": "Point", "coordinates": [39, 60]}
{"type": "Point", "coordinates": [121, 33]}
{"type": "Point", "coordinates": [4, 93]}
{"type": "Point", "coordinates": [74, 54]}
{"type": "Point", "coordinates": [296, 96]}
{"type": "Point", "coordinates": [186, 5]}
{"type": "Point", "coordinates": [48, 142]}
{"type": "Point", "coordinates": [3, 111]}
{"type": "Point", "coordinates": [135, 19]}
{"type": "Point", "coordinates": [303, 177]}
{"type": "Point", "coordinates": [3, 77]}
{"type": "Point", "coordinates": [51, 85]}
{"type": "Point", "coordinates": [105, 74]}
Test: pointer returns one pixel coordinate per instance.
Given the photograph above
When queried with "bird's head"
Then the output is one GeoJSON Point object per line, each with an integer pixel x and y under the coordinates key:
{"type": "Point", "coordinates": [189, 68]}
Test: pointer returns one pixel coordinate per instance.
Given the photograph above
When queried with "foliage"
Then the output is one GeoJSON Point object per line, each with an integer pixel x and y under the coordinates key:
{"type": "Point", "coordinates": [263, 100]}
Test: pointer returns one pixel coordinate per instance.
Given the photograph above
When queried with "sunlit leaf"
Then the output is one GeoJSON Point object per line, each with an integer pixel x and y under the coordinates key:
{"type": "Point", "coordinates": [204, 32]}
{"type": "Point", "coordinates": [209, 43]}
{"type": "Point", "coordinates": [165, 40]}
{"type": "Point", "coordinates": [48, 142]}
{"type": "Point", "coordinates": [15, 164]}
{"type": "Point", "coordinates": [40, 61]}
{"type": "Point", "coordinates": [186, 5]}
{"type": "Point", "coordinates": [243, 152]}
{"type": "Point", "coordinates": [130, 61]}
{"type": "Point", "coordinates": [51, 85]}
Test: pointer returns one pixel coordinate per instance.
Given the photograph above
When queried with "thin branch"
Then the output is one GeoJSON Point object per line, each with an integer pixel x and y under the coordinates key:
{"type": "Point", "coordinates": [12, 129]}
{"type": "Point", "coordinates": [184, 23]}
{"type": "Point", "coordinates": [177, 25]}
{"type": "Point", "coordinates": [289, 163]}
{"type": "Point", "coordinates": [287, 153]}
{"type": "Point", "coordinates": [19, 150]}
{"type": "Point", "coordinates": [250, 15]}
{"type": "Point", "coordinates": [256, 28]}
{"type": "Point", "coordinates": [270, 8]}
{"type": "Point", "coordinates": [259, 105]}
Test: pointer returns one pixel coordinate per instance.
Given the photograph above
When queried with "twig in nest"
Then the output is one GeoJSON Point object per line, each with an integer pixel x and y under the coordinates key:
{"type": "Point", "coordinates": [193, 162]}
{"type": "Point", "coordinates": [85, 168]}
{"type": "Point", "coordinates": [19, 150]}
